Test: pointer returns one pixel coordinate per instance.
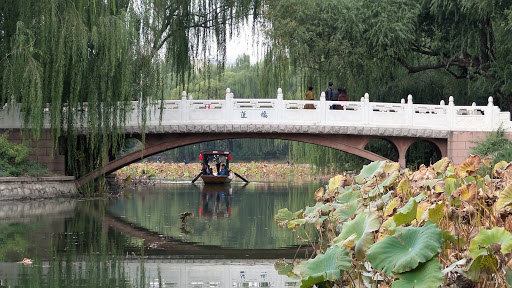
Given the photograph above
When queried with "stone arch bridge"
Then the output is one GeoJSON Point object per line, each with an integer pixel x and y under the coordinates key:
{"type": "Point", "coordinates": [452, 129]}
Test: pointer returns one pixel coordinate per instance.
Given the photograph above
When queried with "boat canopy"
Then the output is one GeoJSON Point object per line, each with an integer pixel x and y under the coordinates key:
{"type": "Point", "coordinates": [207, 157]}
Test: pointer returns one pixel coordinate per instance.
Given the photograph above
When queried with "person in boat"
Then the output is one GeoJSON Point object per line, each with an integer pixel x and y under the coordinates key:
{"type": "Point", "coordinates": [217, 161]}
{"type": "Point", "coordinates": [206, 170]}
{"type": "Point", "coordinates": [223, 170]}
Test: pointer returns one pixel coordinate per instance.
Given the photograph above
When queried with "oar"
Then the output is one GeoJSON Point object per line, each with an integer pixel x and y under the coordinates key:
{"type": "Point", "coordinates": [238, 175]}
{"type": "Point", "coordinates": [200, 173]}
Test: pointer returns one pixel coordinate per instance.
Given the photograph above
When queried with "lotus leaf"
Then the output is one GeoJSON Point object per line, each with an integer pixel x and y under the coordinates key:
{"type": "Point", "coordinates": [284, 215]}
{"type": "Point", "coordinates": [407, 213]}
{"type": "Point", "coordinates": [467, 192]}
{"type": "Point", "coordinates": [294, 223]}
{"type": "Point", "coordinates": [436, 213]}
{"type": "Point", "coordinates": [405, 250]}
{"type": "Point", "coordinates": [499, 168]}
{"type": "Point", "coordinates": [339, 181]}
{"type": "Point", "coordinates": [369, 171]}
{"type": "Point", "coordinates": [426, 275]}
{"type": "Point", "coordinates": [486, 238]}
{"type": "Point", "coordinates": [448, 236]}
{"type": "Point", "coordinates": [323, 267]}
{"type": "Point", "coordinates": [420, 210]}
{"type": "Point", "coordinates": [347, 210]}
{"type": "Point", "coordinates": [441, 165]}
{"type": "Point", "coordinates": [403, 187]}
{"type": "Point", "coordinates": [487, 264]}
{"type": "Point", "coordinates": [450, 186]}
{"type": "Point", "coordinates": [314, 214]}
{"type": "Point", "coordinates": [391, 168]}
{"type": "Point", "coordinates": [363, 226]}
{"type": "Point", "coordinates": [391, 207]}
{"type": "Point", "coordinates": [390, 180]}
{"type": "Point", "coordinates": [508, 275]}
{"type": "Point", "coordinates": [469, 167]}
{"type": "Point", "coordinates": [284, 268]}
{"type": "Point", "coordinates": [505, 198]}
{"type": "Point", "coordinates": [349, 196]}
{"type": "Point", "coordinates": [319, 194]}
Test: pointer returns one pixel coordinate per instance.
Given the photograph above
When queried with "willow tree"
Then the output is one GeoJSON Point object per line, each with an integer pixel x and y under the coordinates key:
{"type": "Point", "coordinates": [60, 54]}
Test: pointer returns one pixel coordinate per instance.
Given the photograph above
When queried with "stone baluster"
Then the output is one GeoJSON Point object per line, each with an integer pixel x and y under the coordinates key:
{"type": "Point", "coordinates": [228, 107]}
{"type": "Point", "coordinates": [489, 114]}
{"type": "Point", "coordinates": [366, 108]}
{"type": "Point", "coordinates": [323, 108]}
{"type": "Point", "coordinates": [451, 113]}
{"type": "Point", "coordinates": [409, 110]}
{"type": "Point", "coordinates": [280, 105]}
{"type": "Point", "coordinates": [184, 107]}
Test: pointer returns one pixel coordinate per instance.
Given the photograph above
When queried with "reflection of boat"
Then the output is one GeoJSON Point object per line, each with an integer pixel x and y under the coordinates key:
{"type": "Point", "coordinates": [216, 159]}
{"type": "Point", "coordinates": [216, 201]}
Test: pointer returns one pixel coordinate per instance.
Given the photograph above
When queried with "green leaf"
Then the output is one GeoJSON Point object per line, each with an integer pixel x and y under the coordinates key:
{"type": "Point", "coordinates": [405, 250]}
{"type": "Point", "coordinates": [370, 171]}
{"type": "Point", "coordinates": [435, 214]}
{"type": "Point", "coordinates": [296, 222]}
{"type": "Point", "coordinates": [363, 226]}
{"type": "Point", "coordinates": [285, 215]}
{"type": "Point", "coordinates": [450, 186]}
{"type": "Point", "coordinates": [486, 238]}
{"type": "Point", "coordinates": [347, 210]}
{"type": "Point", "coordinates": [348, 196]}
{"type": "Point", "coordinates": [284, 268]}
{"type": "Point", "coordinates": [505, 198]}
{"type": "Point", "coordinates": [407, 213]}
{"type": "Point", "coordinates": [324, 267]}
{"type": "Point", "coordinates": [426, 275]}
{"type": "Point", "coordinates": [487, 264]}
{"type": "Point", "coordinates": [314, 214]}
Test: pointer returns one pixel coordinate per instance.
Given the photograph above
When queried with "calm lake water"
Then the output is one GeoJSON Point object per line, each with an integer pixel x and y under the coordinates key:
{"type": "Point", "coordinates": [140, 239]}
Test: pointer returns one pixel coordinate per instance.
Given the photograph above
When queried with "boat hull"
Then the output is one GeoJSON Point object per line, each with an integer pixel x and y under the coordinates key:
{"type": "Point", "coordinates": [213, 179]}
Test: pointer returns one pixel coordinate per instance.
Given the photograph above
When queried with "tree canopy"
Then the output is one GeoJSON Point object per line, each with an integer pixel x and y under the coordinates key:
{"type": "Point", "coordinates": [380, 46]}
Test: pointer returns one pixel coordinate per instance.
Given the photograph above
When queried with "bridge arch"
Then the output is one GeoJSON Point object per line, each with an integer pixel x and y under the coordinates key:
{"type": "Point", "coordinates": [424, 145]}
{"type": "Point", "coordinates": [157, 143]}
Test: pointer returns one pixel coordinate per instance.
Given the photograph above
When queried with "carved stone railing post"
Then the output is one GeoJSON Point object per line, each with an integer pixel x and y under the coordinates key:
{"type": "Point", "coordinates": [184, 107]}
{"type": "Point", "coordinates": [280, 105]}
{"type": "Point", "coordinates": [489, 114]}
{"type": "Point", "coordinates": [228, 107]}
{"type": "Point", "coordinates": [366, 108]}
{"type": "Point", "coordinates": [409, 110]}
{"type": "Point", "coordinates": [323, 108]}
{"type": "Point", "coordinates": [451, 113]}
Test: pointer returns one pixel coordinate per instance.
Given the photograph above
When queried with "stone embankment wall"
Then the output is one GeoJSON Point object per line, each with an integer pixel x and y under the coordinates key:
{"type": "Point", "coordinates": [37, 187]}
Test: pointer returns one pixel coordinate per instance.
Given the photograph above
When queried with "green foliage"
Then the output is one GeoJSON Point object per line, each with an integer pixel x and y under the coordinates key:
{"type": "Point", "coordinates": [14, 160]}
{"type": "Point", "coordinates": [495, 146]}
{"type": "Point", "coordinates": [324, 267]}
{"type": "Point", "coordinates": [417, 223]}
{"type": "Point", "coordinates": [405, 250]}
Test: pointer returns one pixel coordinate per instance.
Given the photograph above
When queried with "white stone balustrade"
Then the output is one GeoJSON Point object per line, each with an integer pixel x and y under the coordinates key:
{"type": "Point", "coordinates": [366, 114]}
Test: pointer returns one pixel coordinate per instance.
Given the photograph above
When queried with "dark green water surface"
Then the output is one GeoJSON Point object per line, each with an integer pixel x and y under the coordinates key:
{"type": "Point", "coordinates": [228, 238]}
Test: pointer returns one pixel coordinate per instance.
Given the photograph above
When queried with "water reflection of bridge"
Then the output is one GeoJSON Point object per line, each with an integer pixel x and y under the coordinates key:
{"type": "Point", "coordinates": [181, 273]}
{"type": "Point", "coordinates": [158, 244]}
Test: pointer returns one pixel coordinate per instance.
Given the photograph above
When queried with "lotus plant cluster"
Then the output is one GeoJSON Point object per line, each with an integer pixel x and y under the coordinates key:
{"type": "Point", "coordinates": [440, 226]}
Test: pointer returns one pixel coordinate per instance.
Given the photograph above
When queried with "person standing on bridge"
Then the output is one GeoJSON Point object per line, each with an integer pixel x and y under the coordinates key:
{"type": "Point", "coordinates": [342, 96]}
{"type": "Point", "coordinates": [329, 94]}
{"type": "Point", "coordinates": [310, 96]}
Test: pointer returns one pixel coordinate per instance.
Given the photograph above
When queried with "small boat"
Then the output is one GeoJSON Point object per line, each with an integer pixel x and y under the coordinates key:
{"type": "Point", "coordinates": [209, 174]}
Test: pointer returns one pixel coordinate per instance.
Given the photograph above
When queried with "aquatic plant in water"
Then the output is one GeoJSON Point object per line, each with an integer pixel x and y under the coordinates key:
{"type": "Point", "coordinates": [442, 225]}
